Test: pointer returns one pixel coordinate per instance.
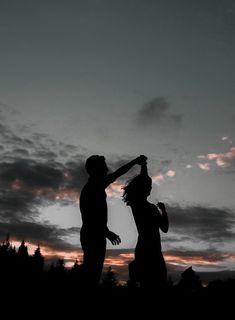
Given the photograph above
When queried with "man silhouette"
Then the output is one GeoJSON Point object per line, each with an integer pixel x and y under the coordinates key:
{"type": "Point", "coordinates": [93, 207]}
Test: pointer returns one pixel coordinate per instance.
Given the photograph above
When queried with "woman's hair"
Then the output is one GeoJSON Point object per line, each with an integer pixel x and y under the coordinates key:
{"type": "Point", "coordinates": [137, 188]}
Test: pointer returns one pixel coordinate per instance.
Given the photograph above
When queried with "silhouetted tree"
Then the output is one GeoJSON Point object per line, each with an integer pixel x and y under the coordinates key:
{"type": "Point", "coordinates": [190, 282]}
{"type": "Point", "coordinates": [109, 279]}
{"type": "Point", "coordinates": [23, 251]}
{"type": "Point", "coordinates": [76, 268]}
{"type": "Point", "coordinates": [23, 263]}
{"type": "Point", "coordinates": [58, 269]}
{"type": "Point", "coordinates": [38, 261]}
{"type": "Point", "coordinates": [7, 258]}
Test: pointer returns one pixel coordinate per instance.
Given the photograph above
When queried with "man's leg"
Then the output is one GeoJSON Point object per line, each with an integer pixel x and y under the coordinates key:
{"type": "Point", "coordinates": [93, 259]}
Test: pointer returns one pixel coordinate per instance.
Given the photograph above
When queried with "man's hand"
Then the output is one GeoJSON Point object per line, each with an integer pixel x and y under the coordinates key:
{"type": "Point", "coordinates": [113, 238]}
{"type": "Point", "coordinates": [141, 160]}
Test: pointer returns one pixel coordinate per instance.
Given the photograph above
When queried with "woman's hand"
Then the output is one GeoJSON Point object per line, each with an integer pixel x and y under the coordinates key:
{"type": "Point", "coordinates": [161, 206]}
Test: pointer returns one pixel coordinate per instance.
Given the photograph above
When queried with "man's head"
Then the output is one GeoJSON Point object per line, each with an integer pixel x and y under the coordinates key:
{"type": "Point", "coordinates": [96, 166]}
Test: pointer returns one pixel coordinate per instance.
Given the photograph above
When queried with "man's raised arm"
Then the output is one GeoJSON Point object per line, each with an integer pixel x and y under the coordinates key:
{"type": "Point", "coordinates": [141, 160]}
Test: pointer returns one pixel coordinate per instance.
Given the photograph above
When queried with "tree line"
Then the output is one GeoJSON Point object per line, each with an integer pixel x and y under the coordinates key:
{"type": "Point", "coordinates": [20, 269]}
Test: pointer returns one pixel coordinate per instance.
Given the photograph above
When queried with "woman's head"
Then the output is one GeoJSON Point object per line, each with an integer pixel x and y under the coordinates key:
{"type": "Point", "coordinates": [138, 188]}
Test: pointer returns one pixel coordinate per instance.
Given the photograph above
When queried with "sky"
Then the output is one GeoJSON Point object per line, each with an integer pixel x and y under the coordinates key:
{"type": "Point", "coordinates": [119, 78]}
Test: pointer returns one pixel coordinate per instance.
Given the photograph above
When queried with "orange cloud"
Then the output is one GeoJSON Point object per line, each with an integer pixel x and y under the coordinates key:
{"type": "Point", "coordinates": [196, 261]}
{"type": "Point", "coordinates": [115, 189]}
{"type": "Point", "coordinates": [48, 193]}
{"type": "Point", "coordinates": [221, 159]}
{"type": "Point", "coordinates": [204, 166]}
{"type": "Point", "coordinates": [162, 177]}
{"type": "Point", "coordinates": [67, 195]}
{"type": "Point", "coordinates": [171, 173]}
{"type": "Point", "coordinates": [220, 162]}
{"type": "Point", "coordinates": [158, 179]}
{"type": "Point", "coordinates": [120, 260]}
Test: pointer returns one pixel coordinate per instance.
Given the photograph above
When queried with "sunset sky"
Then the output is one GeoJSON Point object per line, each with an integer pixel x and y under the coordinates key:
{"type": "Point", "coordinates": [119, 78]}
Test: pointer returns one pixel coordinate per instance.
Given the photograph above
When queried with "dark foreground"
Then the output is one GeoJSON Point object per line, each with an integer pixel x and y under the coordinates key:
{"type": "Point", "coordinates": [55, 298]}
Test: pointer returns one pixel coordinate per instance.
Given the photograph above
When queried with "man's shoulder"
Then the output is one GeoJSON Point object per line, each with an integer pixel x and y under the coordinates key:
{"type": "Point", "coordinates": [110, 178]}
{"type": "Point", "coordinates": [92, 186]}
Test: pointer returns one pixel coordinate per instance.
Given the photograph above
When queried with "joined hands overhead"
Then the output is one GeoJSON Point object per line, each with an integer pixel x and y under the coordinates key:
{"type": "Point", "coordinates": [141, 160]}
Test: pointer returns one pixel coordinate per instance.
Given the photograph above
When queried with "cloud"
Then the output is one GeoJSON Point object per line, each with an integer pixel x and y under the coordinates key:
{"type": "Point", "coordinates": [26, 185]}
{"type": "Point", "coordinates": [177, 260]}
{"type": "Point", "coordinates": [204, 166]}
{"type": "Point", "coordinates": [32, 174]}
{"type": "Point", "coordinates": [163, 175]}
{"type": "Point", "coordinates": [34, 160]}
{"type": "Point", "coordinates": [207, 224]}
{"type": "Point", "coordinates": [209, 256]}
{"type": "Point", "coordinates": [171, 173]}
{"type": "Point", "coordinates": [16, 205]}
{"type": "Point", "coordinates": [21, 152]}
{"type": "Point", "coordinates": [45, 154]}
{"type": "Point", "coordinates": [157, 111]}
{"type": "Point", "coordinates": [75, 174]}
{"type": "Point", "coordinates": [158, 178]}
{"type": "Point", "coordinates": [50, 236]}
{"type": "Point", "coordinates": [222, 160]}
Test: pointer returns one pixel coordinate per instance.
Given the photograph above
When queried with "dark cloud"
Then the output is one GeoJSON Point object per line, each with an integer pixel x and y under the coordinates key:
{"type": "Point", "coordinates": [40, 146]}
{"type": "Point", "coordinates": [17, 204]}
{"type": "Point", "coordinates": [76, 175]}
{"type": "Point", "coordinates": [63, 154]}
{"type": "Point", "coordinates": [175, 239]}
{"type": "Point", "coordinates": [45, 154]}
{"type": "Point", "coordinates": [211, 255]}
{"type": "Point", "coordinates": [32, 173]}
{"type": "Point", "coordinates": [28, 143]}
{"type": "Point", "coordinates": [157, 111]}
{"type": "Point", "coordinates": [50, 236]}
{"type": "Point", "coordinates": [207, 224]}
{"type": "Point", "coordinates": [21, 152]}
{"type": "Point", "coordinates": [45, 168]}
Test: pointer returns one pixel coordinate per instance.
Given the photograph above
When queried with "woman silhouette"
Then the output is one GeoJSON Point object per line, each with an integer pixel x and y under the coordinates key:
{"type": "Point", "coordinates": [148, 268]}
